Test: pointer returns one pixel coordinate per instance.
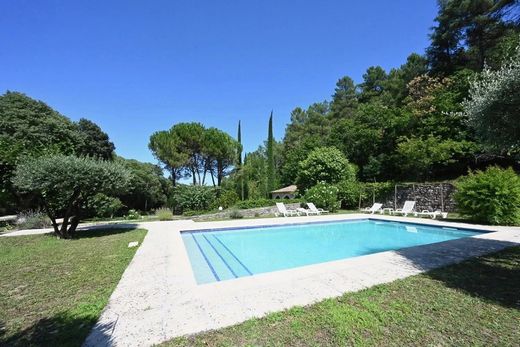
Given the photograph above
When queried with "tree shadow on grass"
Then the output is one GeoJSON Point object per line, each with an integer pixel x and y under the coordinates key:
{"type": "Point", "coordinates": [494, 277]}
{"type": "Point", "coordinates": [104, 230]}
{"type": "Point", "coordinates": [60, 330]}
{"type": "Point", "coordinates": [101, 230]}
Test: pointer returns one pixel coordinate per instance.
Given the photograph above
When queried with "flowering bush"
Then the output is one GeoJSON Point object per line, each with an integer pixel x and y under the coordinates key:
{"type": "Point", "coordinates": [133, 214]}
{"type": "Point", "coordinates": [323, 195]}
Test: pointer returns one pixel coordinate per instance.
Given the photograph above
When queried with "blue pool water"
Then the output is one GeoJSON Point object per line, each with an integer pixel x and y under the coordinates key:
{"type": "Point", "coordinates": [218, 255]}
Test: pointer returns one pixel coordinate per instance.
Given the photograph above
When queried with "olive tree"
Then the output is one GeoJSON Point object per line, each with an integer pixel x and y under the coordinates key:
{"type": "Point", "coordinates": [63, 183]}
{"type": "Point", "coordinates": [493, 107]}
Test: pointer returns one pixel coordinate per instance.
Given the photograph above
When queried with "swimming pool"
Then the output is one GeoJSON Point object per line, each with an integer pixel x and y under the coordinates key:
{"type": "Point", "coordinates": [223, 254]}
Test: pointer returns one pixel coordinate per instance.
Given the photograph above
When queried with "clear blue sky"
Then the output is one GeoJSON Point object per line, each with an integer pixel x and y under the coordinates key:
{"type": "Point", "coordinates": [135, 67]}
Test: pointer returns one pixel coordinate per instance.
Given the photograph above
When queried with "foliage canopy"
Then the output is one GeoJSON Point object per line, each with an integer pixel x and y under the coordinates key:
{"type": "Point", "coordinates": [491, 196]}
{"type": "Point", "coordinates": [64, 183]}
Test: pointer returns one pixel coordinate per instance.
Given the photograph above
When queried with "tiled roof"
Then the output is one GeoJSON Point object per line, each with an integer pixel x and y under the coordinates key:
{"type": "Point", "coordinates": [288, 189]}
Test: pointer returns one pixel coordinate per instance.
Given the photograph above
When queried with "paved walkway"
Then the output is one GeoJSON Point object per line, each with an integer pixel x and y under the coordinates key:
{"type": "Point", "coordinates": [158, 299]}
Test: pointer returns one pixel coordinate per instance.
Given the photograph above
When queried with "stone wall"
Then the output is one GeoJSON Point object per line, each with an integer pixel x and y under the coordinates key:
{"type": "Point", "coordinates": [428, 196]}
{"type": "Point", "coordinates": [252, 212]}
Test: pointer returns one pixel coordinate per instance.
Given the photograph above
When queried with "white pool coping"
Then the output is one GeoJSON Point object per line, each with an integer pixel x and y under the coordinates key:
{"type": "Point", "coordinates": [158, 298]}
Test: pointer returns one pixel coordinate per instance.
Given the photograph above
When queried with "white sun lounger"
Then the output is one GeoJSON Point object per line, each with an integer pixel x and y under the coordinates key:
{"type": "Point", "coordinates": [316, 210]}
{"type": "Point", "coordinates": [376, 207]}
{"type": "Point", "coordinates": [433, 215]}
{"type": "Point", "coordinates": [307, 212]}
{"type": "Point", "coordinates": [283, 211]}
{"type": "Point", "coordinates": [407, 208]}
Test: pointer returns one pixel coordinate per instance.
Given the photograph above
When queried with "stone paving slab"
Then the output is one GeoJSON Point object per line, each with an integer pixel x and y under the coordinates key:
{"type": "Point", "coordinates": [158, 299]}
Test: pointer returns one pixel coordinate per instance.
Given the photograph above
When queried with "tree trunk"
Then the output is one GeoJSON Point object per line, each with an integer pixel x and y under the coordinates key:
{"type": "Point", "coordinates": [212, 178]}
{"type": "Point", "coordinates": [220, 172]}
{"type": "Point", "coordinates": [204, 176]}
{"type": "Point", "coordinates": [193, 176]}
{"type": "Point", "coordinates": [63, 233]}
{"type": "Point", "coordinates": [173, 175]}
{"type": "Point", "coordinates": [73, 225]}
{"type": "Point", "coordinates": [242, 195]}
{"type": "Point", "coordinates": [52, 218]}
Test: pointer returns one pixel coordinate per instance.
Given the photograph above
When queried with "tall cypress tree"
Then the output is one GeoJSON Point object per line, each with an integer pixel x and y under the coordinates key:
{"type": "Point", "coordinates": [245, 178]}
{"type": "Point", "coordinates": [239, 163]}
{"type": "Point", "coordinates": [270, 157]}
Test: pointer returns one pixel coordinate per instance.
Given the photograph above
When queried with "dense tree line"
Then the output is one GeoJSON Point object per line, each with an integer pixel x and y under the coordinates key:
{"type": "Point", "coordinates": [454, 107]}
{"type": "Point", "coordinates": [31, 129]}
{"type": "Point", "coordinates": [417, 121]}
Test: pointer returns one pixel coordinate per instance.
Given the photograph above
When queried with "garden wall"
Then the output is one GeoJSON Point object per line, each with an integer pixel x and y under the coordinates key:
{"type": "Point", "coordinates": [249, 213]}
{"type": "Point", "coordinates": [428, 196]}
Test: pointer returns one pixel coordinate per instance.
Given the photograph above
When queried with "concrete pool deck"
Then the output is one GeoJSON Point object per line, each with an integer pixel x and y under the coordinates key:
{"type": "Point", "coordinates": [158, 299]}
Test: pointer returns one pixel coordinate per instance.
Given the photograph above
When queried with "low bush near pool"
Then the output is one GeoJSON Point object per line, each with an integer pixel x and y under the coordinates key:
{"type": "Point", "coordinates": [323, 195]}
{"type": "Point", "coordinates": [491, 196]}
{"type": "Point", "coordinates": [164, 214]}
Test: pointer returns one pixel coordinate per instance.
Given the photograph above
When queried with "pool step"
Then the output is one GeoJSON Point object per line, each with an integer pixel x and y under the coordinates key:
{"type": "Point", "coordinates": [213, 257]}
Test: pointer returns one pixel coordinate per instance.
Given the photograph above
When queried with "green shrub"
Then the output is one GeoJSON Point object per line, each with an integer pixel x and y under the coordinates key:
{"type": "Point", "coordinates": [323, 195]}
{"type": "Point", "coordinates": [349, 192]}
{"type": "Point", "coordinates": [226, 199]}
{"type": "Point", "coordinates": [132, 215]}
{"type": "Point", "coordinates": [196, 198]}
{"type": "Point", "coordinates": [491, 196]}
{"type": "Point", "coordinates": [164, 214]}
{"type": "Point", "coordinates": [33, 220]}
{"type": "Point", "coordinates": [235, 215]}
{"type": "Point", "coordinates": [189, 213]}
{"type": "Point", "coordinates": [376, 191]}
{"type": "Point", "coordinates": [325, 164]}
{"type": "Point", "coordinates": [103, 206]}
{"type": "Point", "coordinates": [254, 203]}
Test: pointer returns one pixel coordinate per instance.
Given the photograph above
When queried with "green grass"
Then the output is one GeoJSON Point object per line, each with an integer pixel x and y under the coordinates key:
{"type": "Point", "coordinates": [52, 291]}
{"type": "Point", "coordinates": [475, 303]}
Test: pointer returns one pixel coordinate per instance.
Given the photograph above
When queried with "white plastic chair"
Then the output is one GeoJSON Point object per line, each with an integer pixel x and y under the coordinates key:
{"type": "Point", "coordinates": [316, 210]}
{"type": "Point", "coordinates": [408, 208]}
{"type": "Point", "coordinates": [283, 211]}
{"type": "Point", "coordinates": [376, 207]}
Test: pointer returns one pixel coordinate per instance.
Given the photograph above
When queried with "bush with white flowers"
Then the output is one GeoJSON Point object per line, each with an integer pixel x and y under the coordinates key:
{"type": "Point", "coordinates": [323, 195]}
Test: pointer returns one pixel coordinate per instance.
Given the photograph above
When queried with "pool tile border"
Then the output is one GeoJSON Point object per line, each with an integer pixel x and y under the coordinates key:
{"type": "Point", "coordinates": [158, 299]}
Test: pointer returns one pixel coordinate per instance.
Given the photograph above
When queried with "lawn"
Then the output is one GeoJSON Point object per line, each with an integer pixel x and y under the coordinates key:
{"type": "Point", "coordinates": [475, 303]}
{"type": "Point", "coordinates": [52, 291]}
